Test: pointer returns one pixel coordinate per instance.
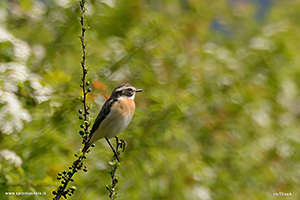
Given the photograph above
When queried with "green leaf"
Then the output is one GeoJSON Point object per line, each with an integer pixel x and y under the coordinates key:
{"type": "Point", "coordinates": [12, 178]}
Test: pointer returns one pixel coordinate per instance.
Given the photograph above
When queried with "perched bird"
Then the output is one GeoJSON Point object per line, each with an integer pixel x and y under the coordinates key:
{"type": "Point", "coordinates": [114, 116]}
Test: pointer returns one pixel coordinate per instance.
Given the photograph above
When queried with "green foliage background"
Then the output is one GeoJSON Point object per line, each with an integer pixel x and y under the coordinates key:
{"type": "Point", "coordinates": [218, 117]}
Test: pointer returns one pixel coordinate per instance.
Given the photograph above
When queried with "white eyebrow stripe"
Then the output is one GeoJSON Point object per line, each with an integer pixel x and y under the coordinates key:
{"type": "Point", "coordinates": [124, 87]}
{"type": "Point", "coordinates": [121, 88]}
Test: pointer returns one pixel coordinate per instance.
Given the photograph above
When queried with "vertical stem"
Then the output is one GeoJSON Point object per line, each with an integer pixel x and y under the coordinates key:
{"type": "Point", "coordinates": [115, 165]}
{"type": "Point", "coordinates": [84, 70]}
{"type": "Point", "coordinates": [65, 176]}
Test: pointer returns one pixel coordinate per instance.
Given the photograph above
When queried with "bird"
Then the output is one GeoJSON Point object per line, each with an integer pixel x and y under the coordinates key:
{"type": "Point", "coordinates": [114, 116]}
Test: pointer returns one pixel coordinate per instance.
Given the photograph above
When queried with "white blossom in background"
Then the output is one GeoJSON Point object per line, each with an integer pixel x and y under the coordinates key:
{"type": "Point", "coordinates": [3, 14]}
{"type": "Point", "coordinates": [288, 94]}
{"type": "Point", "coordinates": [63, 3]}
{"type": "Point", "coordinates": [90, 8]}
{"type": "Point", "coordinates": [225, 80]}
{"type": "Point", "coordinates": [209, 48]}
{"type": "Point", "coordinates": [110, 3]}
{"type": "Point", "coordinates": [42, 93]}
{"type": "Point", "coordinates": [200, 192]}
{"type": "Point", "coordinates": [262, 117]}
{"type": "Point", "coordinates": [37, 11]}
{"type": "Point", "coordinates": [11, 157]}
{"type": "Point", "coordinates": [21, 49]}
{"type": "Point", "coordinates": [12, 114]}
{"type": "Point", "coordinates": [284, 149]}
{"type": "Point", "coordinates": [17, 72]}
{"type": "Point", "coordinates": [5, 35]}
{"type": "Point", "coordinates": [223, 54]}
{"type": "Point", "coordinates": [261, 43]}
{"type": "Point", "coordinates": [272, 29]}
{"type": "Point", "coordinates": [39, 51]}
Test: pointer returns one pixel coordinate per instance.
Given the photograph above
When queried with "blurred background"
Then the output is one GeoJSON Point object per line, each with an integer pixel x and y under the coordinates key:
{"type": "Point", "coordinates": [218, 117]}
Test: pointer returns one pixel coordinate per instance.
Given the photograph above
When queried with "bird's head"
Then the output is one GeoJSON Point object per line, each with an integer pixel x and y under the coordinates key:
{"type": "Point", "coordinates": [125, 90]}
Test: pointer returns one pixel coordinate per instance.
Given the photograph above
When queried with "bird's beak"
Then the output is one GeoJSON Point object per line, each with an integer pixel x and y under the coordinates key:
{"type": "Point", "coordinates": [139, 90]}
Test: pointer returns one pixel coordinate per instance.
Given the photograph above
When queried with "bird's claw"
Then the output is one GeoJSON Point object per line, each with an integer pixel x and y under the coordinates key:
{"type": "Point", "coordinates": [120, 143]}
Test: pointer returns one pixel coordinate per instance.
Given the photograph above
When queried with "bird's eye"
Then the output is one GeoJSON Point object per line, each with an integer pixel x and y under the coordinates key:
{"type": "Point", "coordinates": [129, 90]}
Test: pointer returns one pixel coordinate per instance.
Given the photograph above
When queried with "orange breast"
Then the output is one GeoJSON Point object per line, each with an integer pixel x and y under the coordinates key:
{"type": "Point", "coordinates": [123, 107]}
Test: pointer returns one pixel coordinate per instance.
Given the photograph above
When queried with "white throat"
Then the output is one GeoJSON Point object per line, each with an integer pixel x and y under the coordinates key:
{"type": "Point", "coordinates": [132, 97]}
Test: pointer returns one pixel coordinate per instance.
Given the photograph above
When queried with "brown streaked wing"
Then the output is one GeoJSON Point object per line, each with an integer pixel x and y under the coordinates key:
{"type": "Point", "coordinates": [105, 110]}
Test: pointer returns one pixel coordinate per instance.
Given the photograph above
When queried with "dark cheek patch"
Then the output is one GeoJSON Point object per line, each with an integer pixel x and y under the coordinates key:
{"type": "Point", "coordinates": [126, 93]}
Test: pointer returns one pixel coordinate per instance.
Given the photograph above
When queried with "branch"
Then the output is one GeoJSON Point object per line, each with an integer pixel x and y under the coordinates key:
{"type": "Point", "coordinates": [114, 166]}
{"type": "Point", "coordinates": [67, 176]}
{"type": "Point", "coordinates": [84, 72]}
